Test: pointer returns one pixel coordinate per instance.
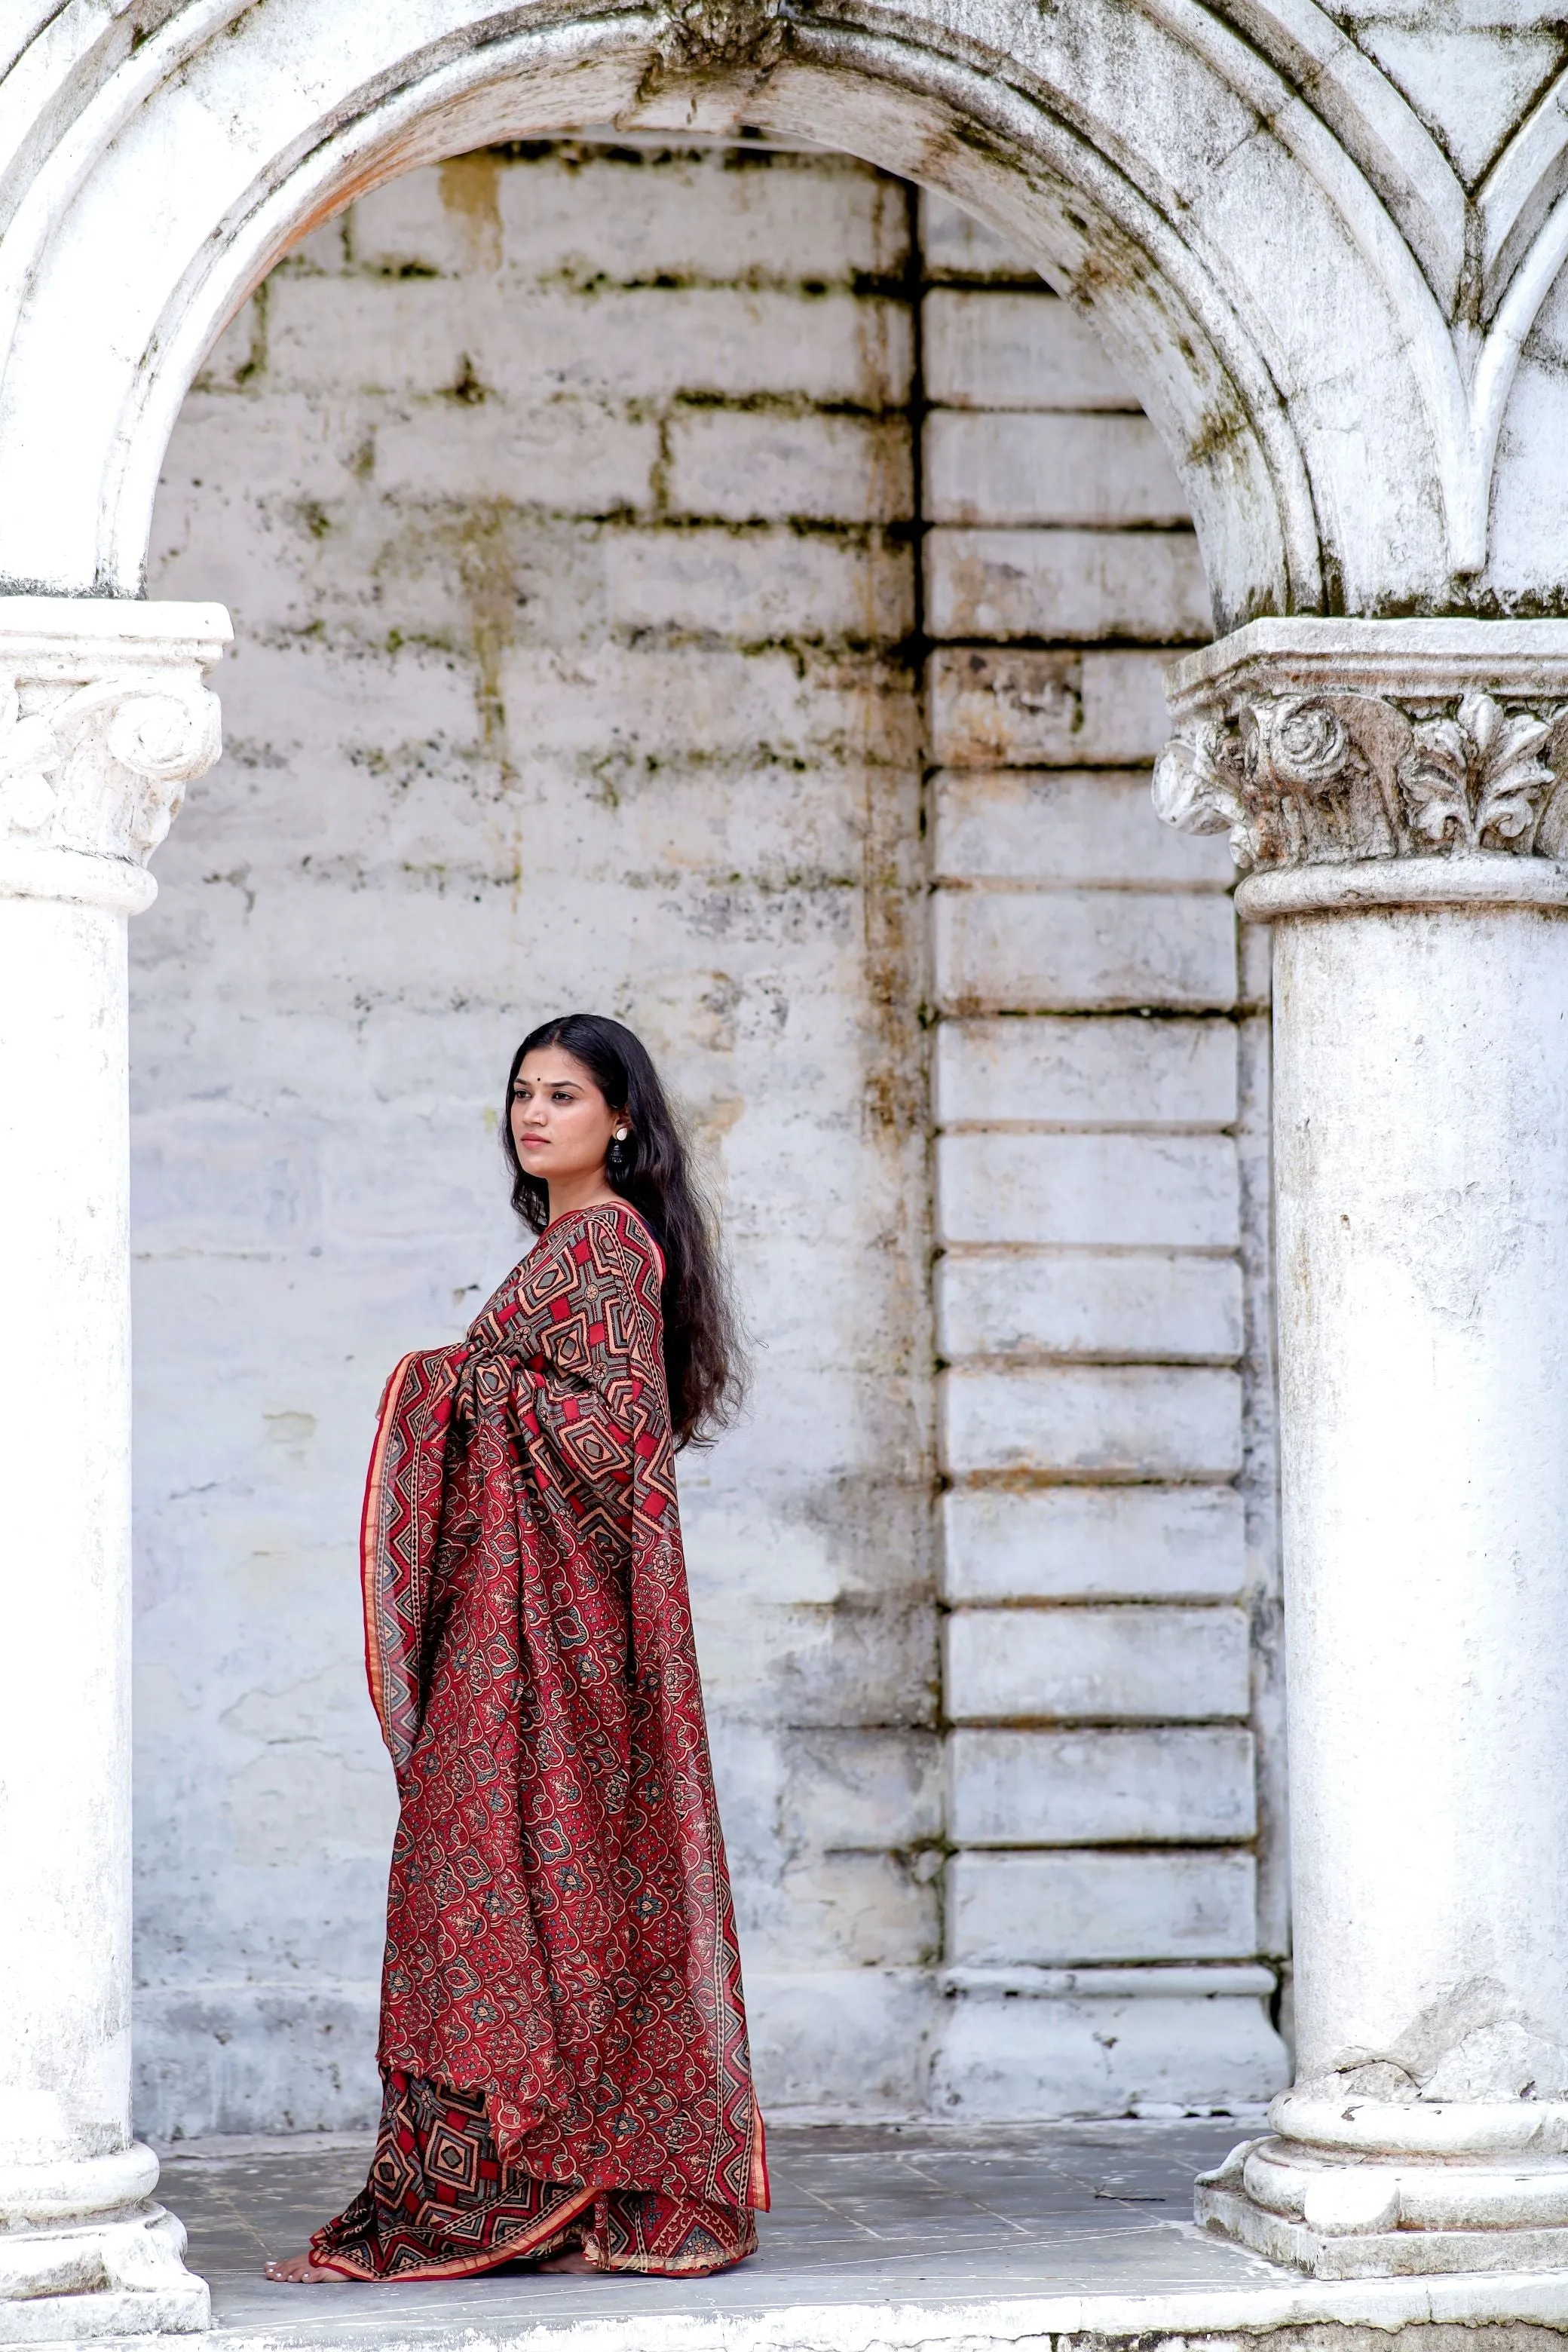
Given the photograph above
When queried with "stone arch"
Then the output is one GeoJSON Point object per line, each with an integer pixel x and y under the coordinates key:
{"type": "Point", "coordinates": [1259, 227]}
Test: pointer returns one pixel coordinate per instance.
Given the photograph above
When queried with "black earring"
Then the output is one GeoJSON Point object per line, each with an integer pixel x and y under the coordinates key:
{"type": "Point", "coordinates": [619, 1159]}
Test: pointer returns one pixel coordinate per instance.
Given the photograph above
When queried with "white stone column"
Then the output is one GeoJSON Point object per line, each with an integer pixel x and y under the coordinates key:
{"type": "Point", "coordinates": [103, 720]}
{"type": "Point", "coordinates": [1394, 793]}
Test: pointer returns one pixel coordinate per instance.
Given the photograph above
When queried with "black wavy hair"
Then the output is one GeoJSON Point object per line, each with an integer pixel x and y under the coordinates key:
{"type": "Point", "coordinates": [702, 1355]}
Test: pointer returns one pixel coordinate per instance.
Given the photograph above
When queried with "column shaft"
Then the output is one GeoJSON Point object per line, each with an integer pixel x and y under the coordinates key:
{"type": "Point", "coordinates": [64, 1440]}
{"type": "Point", "coordinates": [103, 719]}
{"type": "Point", "coordinates": [1422, 1203]}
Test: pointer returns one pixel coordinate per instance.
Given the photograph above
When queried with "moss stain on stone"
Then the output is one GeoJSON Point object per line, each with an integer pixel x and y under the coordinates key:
{"type": "Point", "coordinates": [470, 195]}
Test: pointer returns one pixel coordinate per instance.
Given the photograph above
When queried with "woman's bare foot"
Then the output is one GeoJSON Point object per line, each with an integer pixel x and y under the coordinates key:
{"type": "Point", "coordinates": [298, 2270]}
{"type": "Point", "coordinates": [577, 2265]}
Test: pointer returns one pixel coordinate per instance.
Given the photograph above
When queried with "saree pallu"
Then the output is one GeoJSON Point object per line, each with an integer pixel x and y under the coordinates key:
{"type": "Point", "coordinates": [562, 2033]}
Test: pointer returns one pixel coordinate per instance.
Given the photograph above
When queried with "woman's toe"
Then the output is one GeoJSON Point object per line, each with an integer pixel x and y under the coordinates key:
{"type": "Point", "coordinates": [298, 2270]}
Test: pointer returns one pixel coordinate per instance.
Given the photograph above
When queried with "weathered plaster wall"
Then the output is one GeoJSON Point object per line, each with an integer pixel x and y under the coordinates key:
{"type": "Point", "coordinates": [567, 502]}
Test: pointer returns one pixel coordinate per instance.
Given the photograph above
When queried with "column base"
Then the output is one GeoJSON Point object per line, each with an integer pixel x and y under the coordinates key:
{"type": "Point", "coordinates": [84, 2252]}
{"type": "Point", "coordinates": [1337, 2217]}
{"type": "Point", "coordinates": [1022, 2042]}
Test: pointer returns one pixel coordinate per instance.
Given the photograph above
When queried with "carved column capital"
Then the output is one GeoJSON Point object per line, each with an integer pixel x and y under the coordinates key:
{"type": "Point", "coordinates": [104, 719]}
{"type": "Point", "coordinates": [1367, 762]}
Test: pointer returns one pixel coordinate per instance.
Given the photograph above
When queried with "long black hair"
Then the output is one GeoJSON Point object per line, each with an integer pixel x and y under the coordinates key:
{"type": "Point", "coordinates": [652, 1172]}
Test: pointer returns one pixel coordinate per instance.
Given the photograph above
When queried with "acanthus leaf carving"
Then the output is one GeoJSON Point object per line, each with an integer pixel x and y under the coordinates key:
{"type": "Point", "coordinates": [1326, 778]}
{"type": "Point", "coordinates": [1552, 832]}
{"type": "Point", "coordinates": [1477, 778]}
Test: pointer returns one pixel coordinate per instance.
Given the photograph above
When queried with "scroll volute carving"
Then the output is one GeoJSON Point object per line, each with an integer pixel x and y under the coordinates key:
{"type": "Point", "coordinates": [103, 767]}
{"type": "Point", "coordinates": [1293, 779]}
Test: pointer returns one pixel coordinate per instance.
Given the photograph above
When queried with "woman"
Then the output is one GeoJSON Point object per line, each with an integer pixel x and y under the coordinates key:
{"type": "Point", "coordinates": [563, 2040]}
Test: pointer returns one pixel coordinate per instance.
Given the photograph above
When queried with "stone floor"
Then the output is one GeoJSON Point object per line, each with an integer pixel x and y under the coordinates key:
{"type": "Point", "coordinates": [914, 2235]}
{"type": "Point", "coordinates": [890, 2213]}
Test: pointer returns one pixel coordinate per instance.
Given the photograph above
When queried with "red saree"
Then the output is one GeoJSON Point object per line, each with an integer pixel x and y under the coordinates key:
{"type": "Point", "coordinates": [563, 2037]}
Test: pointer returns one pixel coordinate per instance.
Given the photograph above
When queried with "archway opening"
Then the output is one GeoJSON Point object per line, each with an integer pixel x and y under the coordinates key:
{"type": "Point", "coordinates": [713, 582]}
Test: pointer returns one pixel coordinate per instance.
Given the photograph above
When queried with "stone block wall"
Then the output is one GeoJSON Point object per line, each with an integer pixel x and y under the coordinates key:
{"type": "Point", "coordinates": [720, 587]}
{"type": "Point", "coordinates": [1091, 1287]}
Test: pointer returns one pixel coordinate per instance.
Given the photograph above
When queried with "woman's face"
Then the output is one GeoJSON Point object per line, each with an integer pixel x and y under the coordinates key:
{"type": "Point", "coordinates": [561, 1123]}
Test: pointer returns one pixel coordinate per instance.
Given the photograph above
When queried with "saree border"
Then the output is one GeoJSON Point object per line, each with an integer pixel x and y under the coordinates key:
{"type": "Point", "coordinates": [370, 1535]}
{"type": "Point", "coordinates": [551, 2225]}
